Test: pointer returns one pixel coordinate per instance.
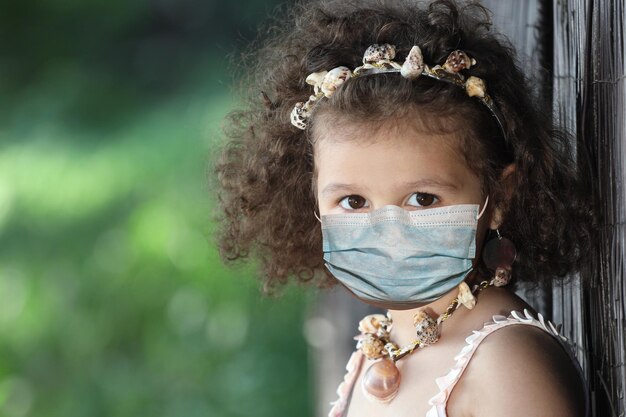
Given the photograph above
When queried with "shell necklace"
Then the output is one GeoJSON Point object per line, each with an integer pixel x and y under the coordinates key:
{"type": "Point", "coordinates": [381, 381]}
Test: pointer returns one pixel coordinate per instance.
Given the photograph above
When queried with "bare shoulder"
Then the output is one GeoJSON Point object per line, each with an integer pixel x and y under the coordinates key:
{"type": "Point", "coordinates": [521, 370]}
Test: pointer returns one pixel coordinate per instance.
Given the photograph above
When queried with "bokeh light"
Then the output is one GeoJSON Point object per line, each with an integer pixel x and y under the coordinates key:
{"type": "Point", "coordinates": [113, 299]}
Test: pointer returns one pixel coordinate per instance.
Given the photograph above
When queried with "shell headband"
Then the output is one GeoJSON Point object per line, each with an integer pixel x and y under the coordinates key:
{"type": "Point", "coordinates": [379, 59]}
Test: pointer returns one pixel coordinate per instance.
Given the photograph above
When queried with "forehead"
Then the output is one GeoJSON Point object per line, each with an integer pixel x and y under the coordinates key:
{"type": "Point", "coordinates": [392, 152]}
{"type": "Point", "coordinates": [420, 136]}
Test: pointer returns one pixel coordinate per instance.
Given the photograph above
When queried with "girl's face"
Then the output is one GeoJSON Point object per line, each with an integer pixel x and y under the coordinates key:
{"type": "Point", "coordinates": [398, 166]}
{"type": "Point", "coordinates": [359, 170]}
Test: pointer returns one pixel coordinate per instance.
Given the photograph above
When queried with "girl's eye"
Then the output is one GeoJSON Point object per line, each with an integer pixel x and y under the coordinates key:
{"type": "Point", "coordinates": [422, 200]}
{"type": "Point", "coordinates": [353, 202]}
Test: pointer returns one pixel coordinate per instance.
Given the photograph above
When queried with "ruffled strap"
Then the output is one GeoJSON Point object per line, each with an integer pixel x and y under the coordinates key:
{"type": "Point", "coordinates": [345, 388]}
{"type": "Point", "coordinates": [447, 382]}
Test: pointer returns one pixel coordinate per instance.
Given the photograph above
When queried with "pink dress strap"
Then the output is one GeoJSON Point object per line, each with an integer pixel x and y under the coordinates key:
{"type": "Point", "coordinates": [447, 382]}
{"type": "Point", "coordinates": [347, 385]}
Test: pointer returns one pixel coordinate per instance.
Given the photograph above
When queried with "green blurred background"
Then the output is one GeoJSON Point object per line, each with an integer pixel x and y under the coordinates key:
{"type": "Point", "coordinates": [113, 301]}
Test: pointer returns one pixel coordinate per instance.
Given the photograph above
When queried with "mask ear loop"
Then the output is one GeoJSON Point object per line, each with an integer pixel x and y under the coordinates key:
{"type": "Point", "coordinates": [316, 216]}
{"type": "Point", "coordinates": [473, 266]}
{"type": "Point", "coordinates": [483, 210]}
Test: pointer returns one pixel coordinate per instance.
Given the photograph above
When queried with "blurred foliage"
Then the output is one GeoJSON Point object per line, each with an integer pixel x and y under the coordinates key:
{"type": "Point", "coordinates": [113, 299]}
{"type": "Point", "coordinates": [102, 61]}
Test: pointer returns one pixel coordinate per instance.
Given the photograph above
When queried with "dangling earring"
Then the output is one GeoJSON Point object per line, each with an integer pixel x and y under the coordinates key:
{"type": "Point", "coordinates": [499, 255]}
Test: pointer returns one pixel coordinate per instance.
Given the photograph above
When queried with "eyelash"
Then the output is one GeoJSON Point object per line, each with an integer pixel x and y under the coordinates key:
{"type": "Point", "coordinates": [435, 198]}
{"type": "Point", "coordinates": [417, 193]}
{"type": "Point", "coordinates": [346, 199]}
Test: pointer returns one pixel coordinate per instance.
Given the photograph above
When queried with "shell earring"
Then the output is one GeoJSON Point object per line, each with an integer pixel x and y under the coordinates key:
{"type": "Point", "coordinates": [498, 255]}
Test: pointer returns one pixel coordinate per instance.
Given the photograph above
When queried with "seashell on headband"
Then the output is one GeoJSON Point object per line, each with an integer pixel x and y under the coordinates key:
{"type": "Point", "coordinates": [380, 59]}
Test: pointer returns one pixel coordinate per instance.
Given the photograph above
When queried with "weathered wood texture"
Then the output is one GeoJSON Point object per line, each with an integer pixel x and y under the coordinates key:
{"type": "Point", "coordinates": [589, 86]}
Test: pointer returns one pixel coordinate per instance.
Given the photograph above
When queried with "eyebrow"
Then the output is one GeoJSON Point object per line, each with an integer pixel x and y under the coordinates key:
{"type": "Point", "coordinates": [431, 182]}
{"type": "Point", "coordinates": [335, 187]}
{"type": "Point", "coordinates": [426, 182]}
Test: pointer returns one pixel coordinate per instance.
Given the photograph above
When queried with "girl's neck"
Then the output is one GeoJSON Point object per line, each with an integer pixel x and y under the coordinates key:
{"type": "Point", "coordinates": [403, 331]}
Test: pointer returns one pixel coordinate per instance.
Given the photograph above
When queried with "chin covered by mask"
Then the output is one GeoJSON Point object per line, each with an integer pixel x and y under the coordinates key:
{"type": "Point", "coordinates": [395, 256]}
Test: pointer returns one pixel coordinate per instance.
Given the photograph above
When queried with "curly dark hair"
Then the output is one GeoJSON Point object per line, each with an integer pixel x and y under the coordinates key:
{"type": "Point", "coordinates": [266, 168]}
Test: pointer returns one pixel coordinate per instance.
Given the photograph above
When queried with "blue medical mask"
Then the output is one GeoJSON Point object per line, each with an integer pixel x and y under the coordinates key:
{"type": "Point", "coordinates": [395, 256]}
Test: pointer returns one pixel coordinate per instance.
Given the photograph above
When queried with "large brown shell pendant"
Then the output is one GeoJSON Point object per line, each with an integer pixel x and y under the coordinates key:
{"type": "Point", "coordinates": [381, 381]}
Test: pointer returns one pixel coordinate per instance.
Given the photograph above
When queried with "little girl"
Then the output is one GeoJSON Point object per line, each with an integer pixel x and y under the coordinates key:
{"type": "Point", "coordinates": [396, 149]}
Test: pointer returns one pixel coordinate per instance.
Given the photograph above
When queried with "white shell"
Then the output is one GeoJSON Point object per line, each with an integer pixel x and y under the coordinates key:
{"type": "Point", "coordinates": [465, 296]}
{"type": "Point", "coordinates": [376, 52]}
{"type": "Point", "coordinates": [334, 79]}
{"type": "Point", "coordinates": [299, 116]}
{"type": "Point", "coordinates": [371, 323]}
{"type": "Point", "coordinates": [414, 64]}
{"type": "Point", "coordinates": [316, 78]}
{"type": "Point", "coordinates": [475, 87]}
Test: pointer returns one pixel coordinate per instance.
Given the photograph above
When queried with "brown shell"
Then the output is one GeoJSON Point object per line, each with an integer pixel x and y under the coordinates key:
{"type": "Point", "coordinates": [426, 328]}
{"type": "Point", "coordinates": [458, 60]}
{"type": "Point", "coordinates": [501, 277]}
{"type": "Point", "coordinates": [372, 347]}
{"type": "Point", "coordinates": [381, 381]}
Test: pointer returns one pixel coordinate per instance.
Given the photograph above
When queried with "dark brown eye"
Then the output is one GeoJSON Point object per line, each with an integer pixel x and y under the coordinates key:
{"type": "Point", "coordinates": [422, 200]}
{"type": "Point", "coordinates": [353, 202]}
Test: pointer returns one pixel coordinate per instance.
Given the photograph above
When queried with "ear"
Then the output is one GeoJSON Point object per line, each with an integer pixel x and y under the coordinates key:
{"type": "Point", "coordinates": [498, 212]}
